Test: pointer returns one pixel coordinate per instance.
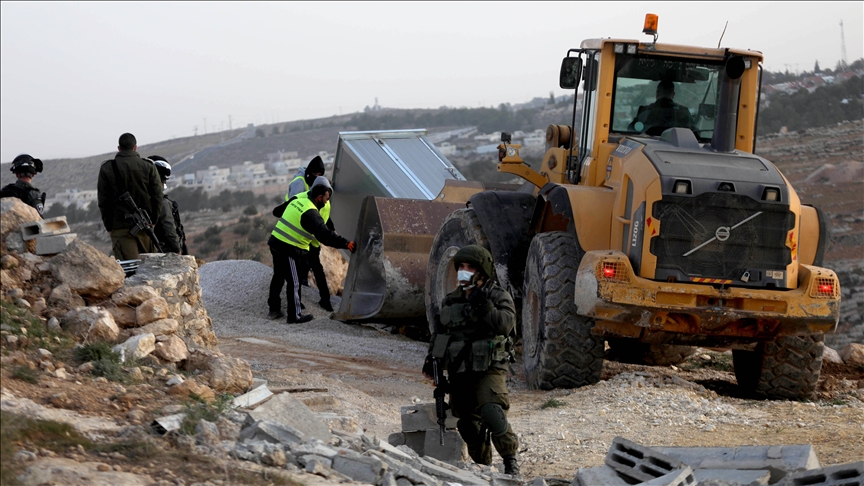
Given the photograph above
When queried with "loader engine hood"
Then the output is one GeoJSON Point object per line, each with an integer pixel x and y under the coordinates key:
{"type": "Point", "coordinates": [724, 218]}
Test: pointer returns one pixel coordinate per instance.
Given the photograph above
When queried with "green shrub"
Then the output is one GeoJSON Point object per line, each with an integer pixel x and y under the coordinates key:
{"type": "Point", "coordinates": [24, 373]}
{"type": "Point", "coordinates": [250, 210]}
{"type": "Point", "coordinates": [553, 403]}
{"type": "Point", "coordinates": [199, 409]}
{"type": "Point", "coordinates": [241, 228]}
{"type": "Point", "coordinates": [257, 235]}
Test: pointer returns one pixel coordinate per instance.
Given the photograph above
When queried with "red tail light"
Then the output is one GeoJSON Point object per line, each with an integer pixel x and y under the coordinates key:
{"type": "Point", "coordinates": [609, 270]}
{"type": "Point", "coordinates": [825, 288]}
{"type": "Point", "coordinates": [613, 270]}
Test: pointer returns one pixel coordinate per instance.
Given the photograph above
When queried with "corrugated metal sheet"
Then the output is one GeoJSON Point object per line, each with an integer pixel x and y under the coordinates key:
{"type": "Point", "coordinates": [400, 164]}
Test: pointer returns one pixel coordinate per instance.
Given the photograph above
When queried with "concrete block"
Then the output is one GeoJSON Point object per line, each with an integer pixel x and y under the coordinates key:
{"type": "Point", "coordinates": [452, 474]}
{"type": "Point", "coordinates": [734, 477]}
{"type": "Point", "coordinates": [849, 474]}
{"type": "Point", "coordinates": [396, 439]}
{"type": "Point", "coordinates": [538, 481]}
{"type": "Point", "coordinates": [639, 462]}
{"type": "Point", "coordinates": [416, 441]}
{"type": "Point", "coordinates": [50, 245]}
{"type": "Point", "coordinates": [306, 459]}
{"type": "Point", "coordinates": [779, 459]}
{"type": "Point", "coordinates": [313, 447]}
{"type": "Point", "coordinates": [450, 452]}
{"type": "Point", "coordinates": [393, 451]}
{"type": "Point", "coordinates": [600, 475]}
{"type": "Point", "coordinates": [45, 227]}
{"type": "Point", "coordinates": [273, 432]}
{"type": "Point", "coordinates": [422, 417]}
{"type": "Point", "coordinates": [678, 477]}
{"type": "Point", "coordinates": [366, 469]}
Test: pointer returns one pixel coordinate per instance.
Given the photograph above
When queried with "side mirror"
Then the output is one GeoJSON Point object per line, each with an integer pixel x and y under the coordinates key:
{"type": "Point", "coordinates": [505, 137]}
{"type": "Point", "coordinates": [571, 72]}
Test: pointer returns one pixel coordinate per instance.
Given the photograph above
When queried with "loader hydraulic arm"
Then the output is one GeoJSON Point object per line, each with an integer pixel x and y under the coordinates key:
{"type": "Point", "coordinates": [510, 162]}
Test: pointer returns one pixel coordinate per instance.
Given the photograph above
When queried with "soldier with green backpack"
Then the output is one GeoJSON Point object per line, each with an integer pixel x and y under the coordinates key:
{"type": "Point", "coordinates": [473, 343]}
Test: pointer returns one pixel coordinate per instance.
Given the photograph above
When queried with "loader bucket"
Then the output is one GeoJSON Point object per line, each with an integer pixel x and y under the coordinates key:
{"type": "Point", "coordinates": [387, 273]}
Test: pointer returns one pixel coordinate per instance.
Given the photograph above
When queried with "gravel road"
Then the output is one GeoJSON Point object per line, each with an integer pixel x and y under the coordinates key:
{"type": "Point", "coordinates": [367, 374]}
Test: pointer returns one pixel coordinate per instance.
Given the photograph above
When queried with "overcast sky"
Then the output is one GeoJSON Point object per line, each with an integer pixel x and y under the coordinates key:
{"type": "Point", "coordinates": [76, 75]}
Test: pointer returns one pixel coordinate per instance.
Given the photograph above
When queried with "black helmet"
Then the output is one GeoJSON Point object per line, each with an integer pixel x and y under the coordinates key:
{"type": "Point", "coordinates": [162, 166]}
{"type": "Point", "coordinates": [24, 164]}
{"type": "Point", "coordinates": [476, 256]}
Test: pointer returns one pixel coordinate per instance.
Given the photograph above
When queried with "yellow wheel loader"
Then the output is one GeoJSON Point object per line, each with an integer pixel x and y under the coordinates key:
{"type": "Point", "coordinates": [653, 226]}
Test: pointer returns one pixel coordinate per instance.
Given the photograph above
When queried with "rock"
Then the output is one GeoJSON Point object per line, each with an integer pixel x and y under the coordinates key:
{"type": "Point", "coordinates": [54, 324]}
{"type": "Point", "coordinates": [134, 295]}
{"type": "Point", "coordinates": [135, 374]}
{"type": "Point", "coordinates": [14, 213]}
{"type": "Point", "coordinates": [207, 433]}
{"type": "Point", "coordinates": [230, 375]}
{"type": "Point", "coordinates": [86, 367]}
{"type": "Point", "coordinates": [57, 470]}
{"type": "Point", "coordinates": [137, 346]}
{"type": "Point", "coordinates": [63, 299]}
{"type": "Point", "coordinates": [853, 354]}
{"type": "Point", "coordinates": [173, 349]}
{"type": "Point", "coordinates": [151, 310]}
{"type": "Point", "coordinates": [269, 431]}
{"type": "Point", "coordinates": [61, 373]}
{"type": "Point", "coordinates": [87, 271]}
{"type": "Point", "coordinates": [831, 356]}
{"type": "Point", "coordinates": [159, 328]}
{"type": "Point", "coordinates": [8, 262]}
{"type": "Point", "coordinates": [276, 458]}
{"type": "Point", "coordinates": [14, 242]}
{"type": "Point", "coordinates": [189, 387]}
{"type": "Point", "coordinates": [39, 306]}
{"type": "Point", "coordinates": [90, 324]}
{"type": "Point", "coordinates": [174, 380]}
{"type": "Point", "coordinates": [124, 316]}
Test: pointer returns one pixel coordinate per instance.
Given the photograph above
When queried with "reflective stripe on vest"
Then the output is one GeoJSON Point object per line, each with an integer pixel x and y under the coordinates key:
{"type": "Point", "coordinates": [324, 212]}
{"type": "Point", "coordinates": [289, 230]}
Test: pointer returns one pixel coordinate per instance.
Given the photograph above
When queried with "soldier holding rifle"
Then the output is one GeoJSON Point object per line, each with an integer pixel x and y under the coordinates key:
{"type": "Point", "coordinates": [473, 343]}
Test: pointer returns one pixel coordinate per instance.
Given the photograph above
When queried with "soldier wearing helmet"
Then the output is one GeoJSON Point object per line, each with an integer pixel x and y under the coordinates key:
{"type": "Point", "coordinates": [169, 230]}
{"type": "Point", "coordinates": [473, 343]}
{"type": "Point", "coordinates": [25, 167]}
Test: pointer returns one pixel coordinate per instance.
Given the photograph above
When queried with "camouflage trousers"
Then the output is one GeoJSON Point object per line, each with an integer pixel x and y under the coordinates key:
{"type": "Point", "coordinates": [480, 401]}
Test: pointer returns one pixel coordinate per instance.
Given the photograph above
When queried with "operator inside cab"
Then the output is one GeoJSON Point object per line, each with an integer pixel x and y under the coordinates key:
{"type": "Point", "coordinates": [664, 112]}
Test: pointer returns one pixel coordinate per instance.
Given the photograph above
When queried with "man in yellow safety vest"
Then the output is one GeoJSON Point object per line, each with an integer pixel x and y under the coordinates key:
{"type": "Point", "coordinates": [300, 223]}
{"type": "Point", "coordinates": [305, 178]}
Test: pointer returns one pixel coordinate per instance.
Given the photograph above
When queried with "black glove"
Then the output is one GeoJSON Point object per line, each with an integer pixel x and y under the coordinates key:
{"type": "Point", "coordinates": [428, 370]}
{"type": "Point", "coordinates": [478, 298]}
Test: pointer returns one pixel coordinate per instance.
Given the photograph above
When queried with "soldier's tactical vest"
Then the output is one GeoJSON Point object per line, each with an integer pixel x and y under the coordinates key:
{"type": "Point", "coordinates": [289, 230]}
{"type": "Point", "coordinates": [324, 212]}
{"type": "Point", "coordinates": [460, 348]}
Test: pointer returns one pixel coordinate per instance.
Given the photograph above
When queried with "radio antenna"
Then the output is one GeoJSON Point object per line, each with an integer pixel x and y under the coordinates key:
{"type": "Point", "coordinates": [721, 35]}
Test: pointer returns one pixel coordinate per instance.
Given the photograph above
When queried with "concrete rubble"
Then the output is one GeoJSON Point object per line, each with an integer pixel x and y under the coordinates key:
{"type": "Point", "coordinates": [629, 463]}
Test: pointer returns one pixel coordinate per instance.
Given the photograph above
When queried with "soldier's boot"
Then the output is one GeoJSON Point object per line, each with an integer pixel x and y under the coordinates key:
{"type": "Point", "coordinates": [511, 466]}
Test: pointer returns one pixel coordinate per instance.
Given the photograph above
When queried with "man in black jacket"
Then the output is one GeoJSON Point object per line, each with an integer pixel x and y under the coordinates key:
{"type": "Point", "coordinates": [127, 171]}
{"type": "Point", "coordinates": [299, 224]}
{"type": "Point", "coordinates": [25, 167]}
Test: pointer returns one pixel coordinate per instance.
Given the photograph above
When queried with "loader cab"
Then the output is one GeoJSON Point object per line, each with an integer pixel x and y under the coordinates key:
{"type": "Point", "coordinates": [640, 90]}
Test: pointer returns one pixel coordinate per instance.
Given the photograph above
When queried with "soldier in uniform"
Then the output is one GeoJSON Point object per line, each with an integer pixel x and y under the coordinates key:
{"type": "Point", "coordinates": [473, 343]}
{"type": "Point", "coordinates": [169, 230]}
{"type": "Point", "coordinates": [25, 167]}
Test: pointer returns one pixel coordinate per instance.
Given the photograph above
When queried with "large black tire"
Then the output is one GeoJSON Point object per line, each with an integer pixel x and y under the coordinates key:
{"type": "Point", "coordinates": [631, 351]}
{"type": "Point", "coordinates": [786, 368]}
{"type": "Point", "coordinates": [558, 348]}
{"type": "Point", "coordinates": [460, 228]}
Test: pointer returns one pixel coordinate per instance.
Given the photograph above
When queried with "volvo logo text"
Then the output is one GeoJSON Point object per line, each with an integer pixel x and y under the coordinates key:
{"type": "Point", "coordinates": [722, 233]}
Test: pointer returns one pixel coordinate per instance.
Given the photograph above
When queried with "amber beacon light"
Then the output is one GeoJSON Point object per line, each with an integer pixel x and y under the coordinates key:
{"type": "Point", "coordinates": [650, 26]}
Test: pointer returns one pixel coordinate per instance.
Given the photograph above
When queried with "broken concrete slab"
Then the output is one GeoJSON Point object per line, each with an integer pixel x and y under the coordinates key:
{"type": "Point", "coordinates": [252, 398]}
{"type": "Point", "coordinates": [285, 409]}
{"type": "Point", "coordinates": [367, 469]}
{"type": "Point", "coordinates": [315, 447]}
{"type": "Point", "coordinates": [451, 451]}
{"type": "Point", "coordinates": [640, 462]}
{"type": "Point", "coordinates": [415, 441]}
{"type": "Point", "coordinates": [779, 459]}
{"type": "Point", "coordinates": [734, 477]}
{"type": "Point", "coordinates": [163, 425]}
{"type": "Point", "coordinates": [592, 476]}
{"type": "Point", "coordinates": [422, 416]}
{"type": "Point", "coordinates": [273, 432]}
{"type": "Point", "coordinates": [451, 475]}
{"type": "Point", "coordinates": [849, 474]}
{"type": "Point", "coordinates": [500, 479]}
{"type": "Point", "coordinates": [44, 228]}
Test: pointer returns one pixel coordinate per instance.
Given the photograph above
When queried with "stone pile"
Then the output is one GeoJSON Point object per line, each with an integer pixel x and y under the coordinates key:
{"type": "Point", "coordinates": [630, 463]}
{"type": "Point", "coordinates": [155, 317]}
{"type": "Point", "coordinates": [422, 434]}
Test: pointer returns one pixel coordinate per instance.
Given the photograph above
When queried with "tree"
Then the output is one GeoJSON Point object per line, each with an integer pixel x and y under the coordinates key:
{"type": "Point", "coordinates": [816, 69]}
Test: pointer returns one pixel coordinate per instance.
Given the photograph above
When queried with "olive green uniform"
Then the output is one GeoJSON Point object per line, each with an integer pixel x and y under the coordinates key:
{"type": "Point", "coordinates": [473, 342]}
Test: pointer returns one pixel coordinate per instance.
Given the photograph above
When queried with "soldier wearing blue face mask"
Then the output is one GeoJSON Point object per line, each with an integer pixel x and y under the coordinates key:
{"type": "Point", "coordinates": [473, 342]}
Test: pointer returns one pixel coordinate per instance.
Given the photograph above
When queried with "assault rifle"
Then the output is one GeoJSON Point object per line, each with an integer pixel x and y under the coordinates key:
{"type": "Point", "coordinates": [141, 220]}
{"type": "Point", "coordinates": [440, 391]}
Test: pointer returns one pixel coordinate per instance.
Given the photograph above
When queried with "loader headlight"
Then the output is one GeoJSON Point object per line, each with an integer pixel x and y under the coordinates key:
{"type": "Point", "coordinates": [618, 48]}
{"type": "Point", "coordinates": [771, 194]}
{"type": "Point", "coordinates": [682, 187]}
{"type": "Point", "coordinates": [631, 48]}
